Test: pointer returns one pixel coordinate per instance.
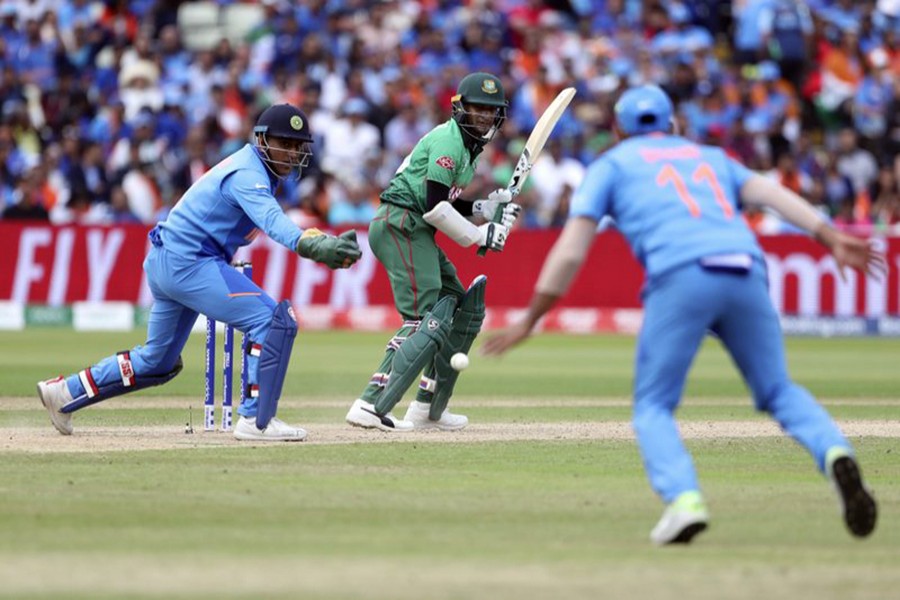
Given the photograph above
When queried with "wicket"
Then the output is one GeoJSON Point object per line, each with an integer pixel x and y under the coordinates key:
{"type": "Point", "coordinates": [209, 398]}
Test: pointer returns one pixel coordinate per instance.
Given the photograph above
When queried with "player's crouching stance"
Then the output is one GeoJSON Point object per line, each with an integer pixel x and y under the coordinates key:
{"type": "Point", "coordinates": [189, 273]}
{"type": "Point", "coordinates": [441, 317]}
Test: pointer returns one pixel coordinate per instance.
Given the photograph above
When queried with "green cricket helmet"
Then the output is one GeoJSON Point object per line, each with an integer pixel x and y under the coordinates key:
{"type": "Point", "coordinates": [286, 122]}
{"type": "Point", "coordinates": [481, 89]}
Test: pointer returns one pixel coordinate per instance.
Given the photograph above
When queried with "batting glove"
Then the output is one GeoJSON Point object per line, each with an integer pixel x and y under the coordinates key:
{"type": "Point", "coordinates": [493, 236]}
{"type": "Point", "coordinates": [511, 212]}
{"type": "Point", "coordinates": [495, 200]}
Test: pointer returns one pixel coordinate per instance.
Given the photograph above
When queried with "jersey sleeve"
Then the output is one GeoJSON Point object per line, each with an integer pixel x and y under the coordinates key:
{"type": "Point", "coordinates": [252, 193]}
{"type": "Point", "coordinates": [594, 196]}
{"type": "Point", "coordinates": [739, 175]}
{"type": "Point", "coordinates": [444, 160]}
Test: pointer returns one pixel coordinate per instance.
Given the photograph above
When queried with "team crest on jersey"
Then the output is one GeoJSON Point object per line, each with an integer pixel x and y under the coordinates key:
{"type": "Point", "coordinates": [296, 123]}
{"type": "Point", "coordinates": [454, 193]}
{"type": "Point", "coordinates": [446, 162]}
{"type": "Point", "coordinates": [489, 86]}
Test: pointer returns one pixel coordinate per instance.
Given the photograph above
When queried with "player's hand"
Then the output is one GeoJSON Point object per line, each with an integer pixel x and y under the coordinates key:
{"type": "Point", "coordinates": [335, 252]}
{"type": "Point", "coordinates": [489, 209]}
{"type": "Point", "coordinates": [493, 236]}
{"type": "Point", "coordinates": [854, 252]}
{"type": "Point", "coordinates": [500, 343]}
{"type": "Point", "coordinates": [511, 212]}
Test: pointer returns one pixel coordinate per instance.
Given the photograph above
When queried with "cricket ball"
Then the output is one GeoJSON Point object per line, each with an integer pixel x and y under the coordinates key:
{"type": "Point", "coordinates": [459, 361]}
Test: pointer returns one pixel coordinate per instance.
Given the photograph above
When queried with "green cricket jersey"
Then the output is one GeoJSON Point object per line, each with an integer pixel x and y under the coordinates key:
{"type": "Point", "coordinates": [439, 156]}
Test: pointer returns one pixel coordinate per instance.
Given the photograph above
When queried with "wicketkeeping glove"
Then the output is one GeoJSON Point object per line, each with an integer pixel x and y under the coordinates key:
{"type": "Point", "coordinates": [335, 252]}
{"type": "Point", "coordinates": [493, 236]}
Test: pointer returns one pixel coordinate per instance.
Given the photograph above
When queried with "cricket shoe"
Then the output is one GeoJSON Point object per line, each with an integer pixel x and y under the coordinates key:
{"type": "Point", "coordinates": [857, 504]}
{"type": "Point", "coordinates": [362, 414]}
{"type": "Point", "coordinates": [417, 414]}
{"type": "Point", "coordinates": [54, 394]}
{"type": "Point", "coordinates": [684, 518]}
{"type": "Point", "coordinates": [276, 431]}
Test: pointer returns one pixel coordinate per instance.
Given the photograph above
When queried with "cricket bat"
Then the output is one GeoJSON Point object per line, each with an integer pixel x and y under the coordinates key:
{"type": "Point", "coordinates": [534, 145]}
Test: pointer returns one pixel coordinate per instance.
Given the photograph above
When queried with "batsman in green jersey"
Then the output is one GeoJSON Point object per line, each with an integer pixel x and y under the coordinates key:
{"type": "Point", "coordinates": [441, 317]}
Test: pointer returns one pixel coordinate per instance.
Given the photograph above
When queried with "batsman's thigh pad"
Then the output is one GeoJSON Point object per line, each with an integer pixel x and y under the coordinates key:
{"type": "Point", "coordinates": [128, 382]}
{"type": "Point", "coordinates": [417, 352]}
{"type": "Point", "coordinates": [463, 330]}
{"type": "Point", "coordinates": [273, 361]}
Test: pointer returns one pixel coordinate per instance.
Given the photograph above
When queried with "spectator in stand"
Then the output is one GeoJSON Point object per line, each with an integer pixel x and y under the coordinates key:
{"type": "Point", "coordinates": [30, 198]}
{"type": "Point", "coordinates": [555, 176]}
{"type": "Point", "coordinates": [855, 163]}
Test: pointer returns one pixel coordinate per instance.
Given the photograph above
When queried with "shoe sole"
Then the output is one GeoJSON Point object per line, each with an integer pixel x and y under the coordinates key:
{"type": "Point", "coordinates": [65, 429]}
{"type": "Point", "coordinates": [431, 426]}
{"type": "Point", "coordinates": [860, 510]}
{"type": "Point", "coordinates": [268, 439]}
{"type": "Point", "coordinates": [688, 533]}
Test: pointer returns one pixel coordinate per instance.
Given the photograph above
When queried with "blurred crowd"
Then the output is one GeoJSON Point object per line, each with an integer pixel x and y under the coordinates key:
{"type": "Point", "coordinates": [111, 109]}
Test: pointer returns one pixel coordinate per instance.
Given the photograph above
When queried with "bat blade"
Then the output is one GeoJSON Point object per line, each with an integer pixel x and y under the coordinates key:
{"type": "Point", "coordinates": [535, 143]}
{"type": "Point", "coordinates": [538, 138]}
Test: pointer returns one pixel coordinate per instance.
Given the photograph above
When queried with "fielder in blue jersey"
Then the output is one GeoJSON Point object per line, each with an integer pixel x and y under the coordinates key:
{"type": "Point", "coordinates": [678, 205]}
{"type": "Point", "coordinates": [189, 273]}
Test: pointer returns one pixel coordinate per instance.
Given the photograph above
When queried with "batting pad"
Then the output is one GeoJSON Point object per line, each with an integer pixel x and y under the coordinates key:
{"type": "Point", "coordinates": [464, 329]}
{"type": "Point", "coordinates": [416, 352]}
{"type": "Point", "coordinates": [273, 362]}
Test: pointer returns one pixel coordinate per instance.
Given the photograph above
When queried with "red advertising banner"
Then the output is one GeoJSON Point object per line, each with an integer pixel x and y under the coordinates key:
{"type": "Point", "coordinates": [61, 265]}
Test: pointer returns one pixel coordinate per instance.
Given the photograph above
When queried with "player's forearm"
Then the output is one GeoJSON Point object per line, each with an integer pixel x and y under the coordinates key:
{"type": "Point", "coordinates": [565, 260]}
{"type": "Point", "coordinates": [762, 191]}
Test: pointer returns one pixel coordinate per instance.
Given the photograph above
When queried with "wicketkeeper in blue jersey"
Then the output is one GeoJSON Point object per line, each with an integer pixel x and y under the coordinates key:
{"type": "Point", "coordinates": [189, 273]}
{"type": "Point", "coordinates": [678, 205]}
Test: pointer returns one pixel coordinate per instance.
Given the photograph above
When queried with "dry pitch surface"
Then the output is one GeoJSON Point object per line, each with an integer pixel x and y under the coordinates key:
{"type": "Point", "coordinates": [14, 438]}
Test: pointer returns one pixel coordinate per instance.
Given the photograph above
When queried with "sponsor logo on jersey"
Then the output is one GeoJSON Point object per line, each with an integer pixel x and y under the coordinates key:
{"type": "Point", "coordinates": [290, 312]}
{"type": "Point", "coordinates": [253, 234]}
{"type": "Point", "coordinates": [261, 186]}
{"type": "Point", "coordinates": [446, 162]}
{"type": "Point", "coordinates": [432, 324]}
{"type": "Point", "coordinates": [454, 193]}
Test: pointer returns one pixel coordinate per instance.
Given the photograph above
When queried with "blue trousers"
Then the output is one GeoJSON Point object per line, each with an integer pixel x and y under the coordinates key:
{"type": "Point", "coordinates": [679, 309]}
{"type": "Point", "coordinates": [183, 288]}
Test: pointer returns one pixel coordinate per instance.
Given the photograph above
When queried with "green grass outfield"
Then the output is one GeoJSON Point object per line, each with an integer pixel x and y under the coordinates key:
{"type": "Point", "coordinates": [495, 518]}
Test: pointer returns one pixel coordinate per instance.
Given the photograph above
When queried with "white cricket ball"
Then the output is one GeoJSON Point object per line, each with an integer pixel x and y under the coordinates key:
{"type": "Point", "coordinates": [459, 361]}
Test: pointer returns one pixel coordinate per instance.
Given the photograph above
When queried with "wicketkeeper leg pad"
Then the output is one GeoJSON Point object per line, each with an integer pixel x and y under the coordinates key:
{"type": "Point", "coordinates": [417, 352]}
{"type": "Point", "coordinates": [464, 329]}
{"type": "Point", "coordinates": [129, 382]}
{"type": "Point", "coordinates": [273, 362]}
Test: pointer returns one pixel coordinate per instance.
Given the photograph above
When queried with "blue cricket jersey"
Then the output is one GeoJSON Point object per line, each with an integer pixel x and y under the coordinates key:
{"type": "Point", "coordinates": [674, 201]}
{"type": "Point", "coordinates": [227, 208]}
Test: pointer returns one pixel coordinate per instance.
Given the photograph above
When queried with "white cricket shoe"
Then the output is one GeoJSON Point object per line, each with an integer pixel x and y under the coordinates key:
{"type": "Point", "coordinates": [54, 394]}
{"type": "Point", "coordinates": [362, 414]}
{"type": "Point", "coordinates": [417, 414]}
{"type": "Point", "coordinates": [276, 431]}
{"type": "Point", "coordinates": [684, 518]}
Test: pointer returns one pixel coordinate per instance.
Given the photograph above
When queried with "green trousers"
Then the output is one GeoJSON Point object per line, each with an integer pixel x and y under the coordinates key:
{"type": "Point", "coordinates": [420, 274]}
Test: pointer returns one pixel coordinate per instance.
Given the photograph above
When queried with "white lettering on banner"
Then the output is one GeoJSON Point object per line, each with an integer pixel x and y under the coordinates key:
{"type": "Point", "coordinates": [809, 273]}
{"type": "Point", "coordinates": [101, 260]}
{"type": "Point", "coordinates": [876, 287]}
{"type": "Point", "coordinates": [62, 266]}
{"type": "Point", "coordinates": [145, 297]}
{"type": "Point", "coordinates": [309, 275]}
{"type": "Point", "coordinates": [276, 267]}
{"type": "Point", "coordinates": [27, 270]}
{"type": "Point", "coordinates": [348, 290]}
